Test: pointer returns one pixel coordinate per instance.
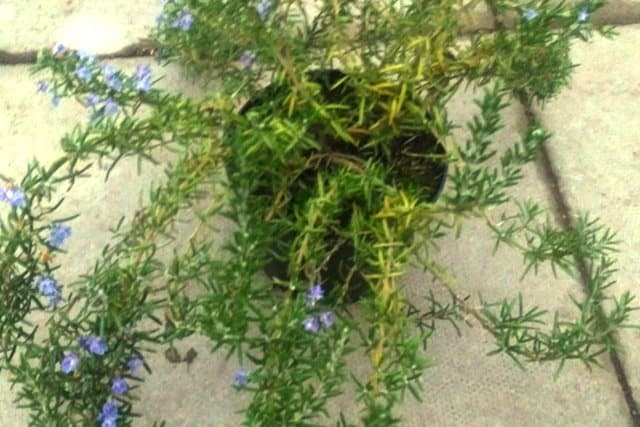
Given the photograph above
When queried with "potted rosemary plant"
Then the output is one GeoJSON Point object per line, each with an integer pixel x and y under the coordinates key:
{"type": "Point", "coordinates": [326, 141]}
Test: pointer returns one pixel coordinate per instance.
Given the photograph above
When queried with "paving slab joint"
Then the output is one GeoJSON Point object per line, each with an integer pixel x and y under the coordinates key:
{"type": "Point", "coordinates": [142, 48]}
{"type": "Point", "coordinates": [564, 216]}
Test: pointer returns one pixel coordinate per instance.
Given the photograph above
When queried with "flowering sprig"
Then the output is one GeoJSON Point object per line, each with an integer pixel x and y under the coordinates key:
{"type": "Point", "coordinates": [103, 84]}
{"type": "Point", "coordinates": [313, 323]}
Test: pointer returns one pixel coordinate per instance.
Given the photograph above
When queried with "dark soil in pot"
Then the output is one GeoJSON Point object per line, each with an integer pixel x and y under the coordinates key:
{"type": "Point", "coordinates": [405, 160]}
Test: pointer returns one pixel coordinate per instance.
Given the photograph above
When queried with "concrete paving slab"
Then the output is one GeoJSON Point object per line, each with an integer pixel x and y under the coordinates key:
{"type": "Point", "coordinates": [471, 389]}
{"type": "Point", "coordinates": [100, 26]}
{"type": "Point", "coordinates": [597, 128]}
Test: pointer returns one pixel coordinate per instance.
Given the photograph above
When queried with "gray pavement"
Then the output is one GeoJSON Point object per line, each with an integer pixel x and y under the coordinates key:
{"type": "Point", "coordinates": [594, 151]}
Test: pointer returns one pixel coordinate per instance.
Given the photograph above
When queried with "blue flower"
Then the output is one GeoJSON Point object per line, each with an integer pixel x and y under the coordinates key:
{"type": "Point", "coordinates": [55, 100]}
{"type": "Point", "coordinates": [583, 15]}
{"type": "Point", "coordinates": [530, 14]}
{"type": "Point", "coordinates": [111, 107]}
{"type": "Point", "coordinates": [59, 234]}
{"type": "Point", "coordinates": [134, 364]}
{"type": "Point", "coordinates": [142, 78]}
{"type": "Point", "coordinates": [327, 319]}
{"type": "Point", "coordinates": [92, 100]}
{"type": "Point", "coordinates": [314, 294]}
{"type": "Point", "coordinates": [42, 86]}
{"type": "Point", "coordinates": [47, 286]}
{"type": "Point", "coordinates": [311, 324]}
{"type": "Point", "coordinates": [263, 8]}
{"type": "Point", "coordinates": [240, 377]}
{"type": "Point", "coordinates": [58, 49]}
{"type": "Point", "coordinates": [119, 385]}
{"type": "Point", "coordinates": [109, 414]}
{"type": "Point", "coordinates": [69, 362]}
{"type": "Point", "coordinates": [14, 196]}
{"type": "Point", "coordinates": [93, 344]}
{"type": "Point", "coordinates": [184, 21]}
{"type": "Point", "coordinates": [83, 73]}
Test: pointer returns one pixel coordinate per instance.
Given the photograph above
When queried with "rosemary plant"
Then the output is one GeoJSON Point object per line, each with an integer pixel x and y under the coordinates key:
{"type": "Point", "coordinates": [327, 143]}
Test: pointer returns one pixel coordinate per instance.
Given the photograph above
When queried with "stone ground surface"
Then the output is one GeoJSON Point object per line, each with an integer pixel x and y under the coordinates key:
{"type": "Point", "coordinates": [594, 150]}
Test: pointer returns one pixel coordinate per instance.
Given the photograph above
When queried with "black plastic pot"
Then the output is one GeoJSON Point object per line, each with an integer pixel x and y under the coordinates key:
{"type": "Point", "coordinates": [405, 160]}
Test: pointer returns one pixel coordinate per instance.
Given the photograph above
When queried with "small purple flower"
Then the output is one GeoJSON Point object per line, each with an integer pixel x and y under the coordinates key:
{"type": "Point", "coordinates": [47, 286]}
{"type": "Point", "coordinates": [93, 344]}
{"type": "Point", "coordinates": [14, 196]}
{"type": "Point", "coordinates": [263, 8]}
{"type": "Point", "coordinates": [311, 324]}
{"type": "Point", "coordinates": [109, 413]}
{"type": "Point", "coordinates": [314, 294]}
{"type": "Point", "coordinates": [59, 234]}
{"type": "Point", "coordinates": [134, 364]}
{"type": "Point", "coordinates": [246, 59]}
{"type": "Point", "coordinates": [111, 107]}
{"type": "Point", "coordinates": [240, 377]}
{"type": "Point", "coordinates": [327, 319]}
{"type": "Point", "coordinates": [83, 73]}
{"type": "Point", "coordinates": [69, 362]}
{"type": "Point", "coordinates": [58, 49]}
{"type": "Point", "coordinates": [184, 21]}
{"type": "Point", "coordinates": [142, 78]}
{"type": "Point", "coordinates": [530, 14]}
{"type": "Point", "coordinates": [55, 100]}
{"type": "Point", "coordinates": [42, 86]}
{"type": "Point", "coordinates": [583, 15]}
{"type": "Point", "coordinates": [92, 100]}
{"type": "Point", "coordinates": [119, 386]}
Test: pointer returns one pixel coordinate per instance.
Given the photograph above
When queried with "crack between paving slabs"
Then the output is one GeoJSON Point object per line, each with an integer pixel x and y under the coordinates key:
{"type": "Point", "coordinates": [563, 213]}
{"type": "Point", "coordinates": [144, 47]}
